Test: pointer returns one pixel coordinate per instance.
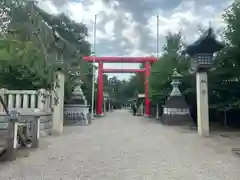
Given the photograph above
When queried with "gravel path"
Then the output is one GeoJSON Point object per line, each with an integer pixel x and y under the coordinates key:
{"type": "Point", "coordinates": [122, 147]}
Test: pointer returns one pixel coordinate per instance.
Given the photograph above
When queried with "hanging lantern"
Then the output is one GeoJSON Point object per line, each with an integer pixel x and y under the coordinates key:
{"type": "Point", "coordinates": [202, 50]}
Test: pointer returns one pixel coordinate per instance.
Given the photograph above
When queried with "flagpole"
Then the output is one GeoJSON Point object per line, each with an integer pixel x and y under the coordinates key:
{"type": "Point", "coordinates": [93, 67]}
{"type": "Point", "coordinates": [157, 55]}
{"type": "Point", "coordinates": [157, 50]}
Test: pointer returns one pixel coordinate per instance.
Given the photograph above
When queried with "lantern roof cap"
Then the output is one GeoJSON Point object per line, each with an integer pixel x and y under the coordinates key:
{"type": "Point", "coordinates": [77, 92]}
{"type": "Point", "coordinates": [206, 44]}
{"type": "Point", "coordinates": [176, 74]}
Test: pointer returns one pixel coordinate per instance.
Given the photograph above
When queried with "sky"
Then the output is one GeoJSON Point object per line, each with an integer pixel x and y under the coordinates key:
{"type": "Point", "coordinates": [129, 27]}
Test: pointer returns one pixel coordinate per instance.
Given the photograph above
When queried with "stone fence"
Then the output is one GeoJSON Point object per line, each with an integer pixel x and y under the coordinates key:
{"type": "Point", "coordinates": [26, 115]}
{"type": "Point", "coordinates": [30, 102]}
{"type": "Point", "coordinates": [27, 100]}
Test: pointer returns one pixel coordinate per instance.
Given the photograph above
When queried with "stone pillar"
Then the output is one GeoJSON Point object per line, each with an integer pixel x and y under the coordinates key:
{"type": "Point", "coordinates": [58, 110]}
{"type": "Point", "coordinates": [141, 109]}
{"type": "Point", "coordinates": [109, 106]}
{"type": "Point", "coordinates": [104, 107]}
{"type": "Point", "coordinates": [202, 104]}
{"type": "Point", "coordinates": [157, 112]}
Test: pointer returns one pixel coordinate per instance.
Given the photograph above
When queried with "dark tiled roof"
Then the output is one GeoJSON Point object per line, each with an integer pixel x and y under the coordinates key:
{"type": "Point", "coordinates": [206, 43]}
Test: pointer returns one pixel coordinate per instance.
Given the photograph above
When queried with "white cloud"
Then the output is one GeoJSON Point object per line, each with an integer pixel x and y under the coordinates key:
{"type": "Point", "coordinates": [186, 17]}
{"type": "Point", "coordinates": [138, 52]}
{"type": "Point", "coordinates": [109, 30]}
{"type": "Point", "coordinates": [128, 36]}
{"type": "Point", "coordinates": [85, 12]}
{"type": "Point", "coordinates": [107, 15]}
{"type": "Point", "coordinates": [130, 32]}
{"type": "Point", "coordinates": [48, 6]}
{"type": "Point", "coordinates": [123, 44]}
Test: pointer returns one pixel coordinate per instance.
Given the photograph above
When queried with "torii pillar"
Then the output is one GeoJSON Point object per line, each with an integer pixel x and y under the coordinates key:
{"type": "Point", "coordinates": [147, 101]}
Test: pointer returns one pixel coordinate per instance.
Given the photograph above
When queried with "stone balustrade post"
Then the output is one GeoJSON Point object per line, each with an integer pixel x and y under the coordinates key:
{"type": "Point", "coordinates": [10, 100]}
{"type": "Point", "coordinates": [48, 102]}
{"type": "Point", "coordinates": [35, 131]}
{"type": "Point", "coordinates": [18, 100]}
{"type": "Point", "coordinates": [41, 100]}
{"type": "Point", "coordinates": [25, 100]}
{"type": "Point", "coordinates": [33, 101]}
{"type": "Point", "coordinates": [2, 93]}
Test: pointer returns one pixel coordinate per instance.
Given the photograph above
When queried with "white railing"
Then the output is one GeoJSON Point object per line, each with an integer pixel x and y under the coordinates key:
{"type": "Point", "coordinates": [27, 100]}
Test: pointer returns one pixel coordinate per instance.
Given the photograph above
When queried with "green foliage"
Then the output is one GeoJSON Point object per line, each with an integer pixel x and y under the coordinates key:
{"type": "Point", "coordinates": [20, 64]}
{"type": "Point", "coordinates": [31, 42]}
{"type": "Point", "coordinates": [73, 34]}
{"type": "Point", "coordinates": [161, 71]}
{"type": "Point", "coordinates": [223, 81]}
{"type": "Point", "coordinates": [20, 55]}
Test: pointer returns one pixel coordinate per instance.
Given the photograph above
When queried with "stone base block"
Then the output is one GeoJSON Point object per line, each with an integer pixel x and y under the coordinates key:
{"type": "Point", "coordinates": [99, 115]}
{"type": "Point", "coordinates": [176, 119]}
{"type": "Point", "coordinates": [147, 115]}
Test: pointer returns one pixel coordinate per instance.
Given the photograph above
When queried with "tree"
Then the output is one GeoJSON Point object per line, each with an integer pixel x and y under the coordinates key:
{"type": "Point", "coordinates": [20, 54]}
{"type": "Point", "coordinates": [160, 77]}
{"type": "Point", "coordinates": [228, 69]}
{"type": "Point", "coordinates": [32, 41]}
{"type": "Point", "coordinates": [74, 34]}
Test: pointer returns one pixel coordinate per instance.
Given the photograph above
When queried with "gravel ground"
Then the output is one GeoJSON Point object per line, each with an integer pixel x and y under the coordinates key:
{"type": "Point", "coordinates": [122, 147]}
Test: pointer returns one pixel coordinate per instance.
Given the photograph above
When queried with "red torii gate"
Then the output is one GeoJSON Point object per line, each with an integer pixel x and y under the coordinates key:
{"type": "Point", "coordinates": [100, 60]}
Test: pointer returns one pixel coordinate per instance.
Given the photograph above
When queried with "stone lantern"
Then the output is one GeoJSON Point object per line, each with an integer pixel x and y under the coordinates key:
{"type": "Point", "coordinates": [77, 94]}
{"type": "Point", "coordinates": [112, 81]}
{"type": "Point", "coordinates": [176, 110]}
{"type": "Point", "coordinates": [176, 82]}
{"type": "Point", "coordinates": [76, 110]}
{"type": "Point", "coordinates": [202, 60]}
